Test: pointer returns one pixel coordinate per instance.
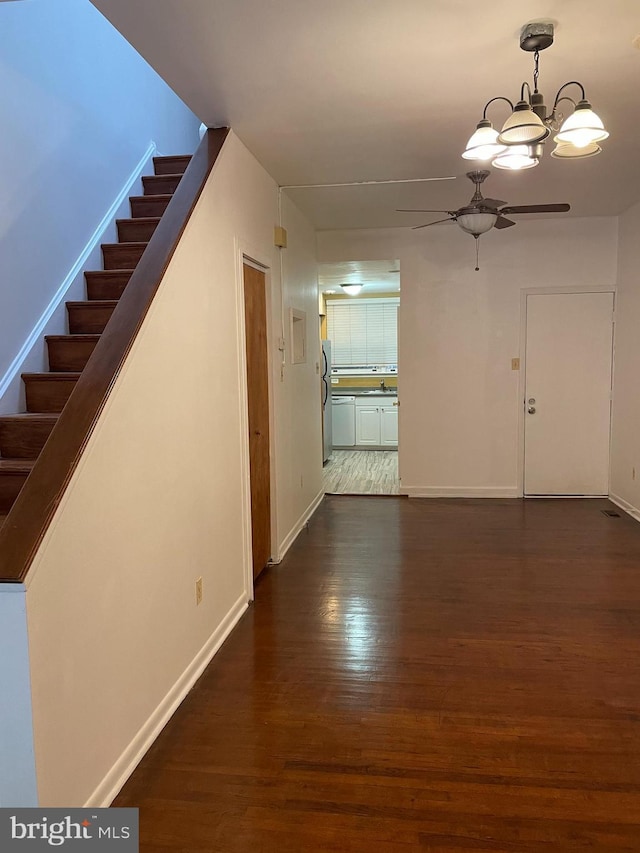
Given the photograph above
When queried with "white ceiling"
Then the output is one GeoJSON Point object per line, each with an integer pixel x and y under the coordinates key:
{"type": "Point", "coordinates": [375, 276]}
{"type": "Point", "coordinates": [361, 90]}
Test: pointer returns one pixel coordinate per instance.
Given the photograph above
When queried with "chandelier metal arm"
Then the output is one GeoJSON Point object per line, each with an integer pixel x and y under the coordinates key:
{"type": "Point", "coordinates": [529, 90]}
{"type": "Point", "coordinates": [564, 86]}
{"type": "Point", "coordinates": [554, 119]}
{"type": "Point", "coordinates": [498, 98]}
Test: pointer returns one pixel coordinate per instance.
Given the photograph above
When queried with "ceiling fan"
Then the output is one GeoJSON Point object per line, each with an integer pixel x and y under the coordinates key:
{"type": "Point", "coordinates": [482, 214]}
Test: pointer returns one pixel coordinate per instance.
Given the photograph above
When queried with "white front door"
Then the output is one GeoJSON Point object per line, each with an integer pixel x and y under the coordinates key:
{"type": "Point", "coordinates": [568, 393]}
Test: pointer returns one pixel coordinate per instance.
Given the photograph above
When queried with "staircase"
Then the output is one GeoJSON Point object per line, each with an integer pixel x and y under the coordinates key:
{"type": "Point", "coordinates": [22, 436]}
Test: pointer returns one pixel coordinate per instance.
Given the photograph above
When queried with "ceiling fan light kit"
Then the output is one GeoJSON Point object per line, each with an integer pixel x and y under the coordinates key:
{"type": "Point", "coordinates": [530, 123]}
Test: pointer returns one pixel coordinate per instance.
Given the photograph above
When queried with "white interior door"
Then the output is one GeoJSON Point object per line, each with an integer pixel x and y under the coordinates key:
{"type": "Point", "coordinates": [568, 393]}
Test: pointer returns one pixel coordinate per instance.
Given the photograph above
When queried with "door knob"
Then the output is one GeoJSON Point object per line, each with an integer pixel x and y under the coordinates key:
{"type": "Point", "coordinates": [531, 410]}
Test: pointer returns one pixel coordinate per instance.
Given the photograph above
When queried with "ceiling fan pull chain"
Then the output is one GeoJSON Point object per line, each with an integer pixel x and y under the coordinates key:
{"type": "Point", "coordinates": [477, 253]}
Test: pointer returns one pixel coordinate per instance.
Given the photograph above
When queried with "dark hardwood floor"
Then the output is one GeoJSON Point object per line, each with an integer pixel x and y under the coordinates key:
{"type": "Point", "coordinates": [430, 675]}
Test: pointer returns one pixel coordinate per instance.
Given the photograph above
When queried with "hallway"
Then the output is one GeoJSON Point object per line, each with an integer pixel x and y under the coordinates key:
{"type": "Point", "coordinates": [445, 676]}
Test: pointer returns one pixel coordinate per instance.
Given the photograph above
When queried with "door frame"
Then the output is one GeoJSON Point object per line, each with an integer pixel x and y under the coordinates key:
{"type": "Point", "coordinates": [254, 258]}
{"type": "Point", "coordinates": [543, 291]}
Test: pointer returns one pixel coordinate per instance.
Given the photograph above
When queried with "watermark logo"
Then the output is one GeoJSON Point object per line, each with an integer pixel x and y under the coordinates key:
{"type": "Point", "coordinates": [34, 830]}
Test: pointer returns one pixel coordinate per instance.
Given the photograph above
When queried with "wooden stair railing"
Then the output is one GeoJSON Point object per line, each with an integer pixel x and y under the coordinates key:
{"type": "Point", "coordinates": [28, 518]}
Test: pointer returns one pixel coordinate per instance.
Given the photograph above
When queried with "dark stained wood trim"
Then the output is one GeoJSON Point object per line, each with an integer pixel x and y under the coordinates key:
{"type": "Point", "coordinates": [27, 522]}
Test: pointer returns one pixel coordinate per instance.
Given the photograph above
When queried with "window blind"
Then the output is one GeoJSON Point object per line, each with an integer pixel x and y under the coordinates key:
{"type": "Point", "coordinates": [363, 331]}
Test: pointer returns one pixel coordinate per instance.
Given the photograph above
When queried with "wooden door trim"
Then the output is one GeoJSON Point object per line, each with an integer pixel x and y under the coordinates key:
{"type": "Point", "coordinates": [249, 256]}
{"type": "Point", "coordinates": [546, 291]}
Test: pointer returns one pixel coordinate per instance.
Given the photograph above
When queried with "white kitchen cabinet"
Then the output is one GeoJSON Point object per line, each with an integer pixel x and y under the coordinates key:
{"type": "Point", "coordinates": [367, 425]}
{"type": "Point", "coordinates": [389, 425]}
{"type": "Point", "coordinates": [376, 424]}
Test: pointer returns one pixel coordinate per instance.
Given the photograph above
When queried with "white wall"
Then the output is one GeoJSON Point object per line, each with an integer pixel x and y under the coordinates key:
{"type": "Point", "coordinates": [160, 498]}
{"type": "Point", "coordinates": [78, 109]}
{"type": "Point", "coordinates": [299, 430]}
{"type": "Point", "coordinates": [17, 763]}
{"type": "Point", "coordinates": [625, 440]}
{"type": "Point", "coordinates": [459, 330]}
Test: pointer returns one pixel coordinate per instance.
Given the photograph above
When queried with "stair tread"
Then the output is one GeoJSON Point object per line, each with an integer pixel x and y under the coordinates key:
{"type": "Point", "coordinates": [157, 197]}
{"type": "Point", "coordinates": [168, 175]}
{"type": "Point", "coordinates": [110, 273]}
{"type": "Point", "coordinates": [30, 416]}
{"type": "Point", "coordinates": [139, 220]}
{"type": "Point", "coordinates": [92, 303]}
{"type": "Point", "coordinates": [138, 244]}
{"type": "Point", "coordinates": [52, 375]}
{"type": "Point", "coordinates": [80, 337]}
{"type": "Point", "coordinates": [17, 466]}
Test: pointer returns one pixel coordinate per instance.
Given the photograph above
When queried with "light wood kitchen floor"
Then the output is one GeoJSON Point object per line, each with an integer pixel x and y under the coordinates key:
{"type": "Point", "coordinates": [362, 472]}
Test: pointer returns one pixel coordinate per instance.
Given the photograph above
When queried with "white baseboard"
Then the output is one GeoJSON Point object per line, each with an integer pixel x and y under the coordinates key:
{"type": "Point", "coordinates": [633, 511]}
{"type": "Point", "coordinates": [300, 523]}
{"type": "Point", "coordinates": [460, 492]}
{"type": "Point", "coordinates": [94, 241]}
{"type": "Point", "coordinates": [113, 782]}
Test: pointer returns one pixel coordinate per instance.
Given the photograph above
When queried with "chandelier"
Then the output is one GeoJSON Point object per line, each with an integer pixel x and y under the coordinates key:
{"type": "Point", "coordinates": [520, 143]}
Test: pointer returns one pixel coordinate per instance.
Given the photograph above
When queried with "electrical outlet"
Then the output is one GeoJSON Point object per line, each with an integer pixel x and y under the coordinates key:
{"type": "Point", "coordinates": [198, 591]}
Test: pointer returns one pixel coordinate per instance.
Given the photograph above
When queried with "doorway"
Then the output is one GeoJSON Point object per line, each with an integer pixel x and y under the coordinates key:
{"type": "Point", "coordinates": [359, 308]}
{"type": "Point", "coordinates": [567, 393]}
{"type": "Point", "coordinates": [255, 311]}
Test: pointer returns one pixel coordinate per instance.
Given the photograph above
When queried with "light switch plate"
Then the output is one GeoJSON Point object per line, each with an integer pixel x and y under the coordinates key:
{"type": "Point", "coordinates": [515, 364]}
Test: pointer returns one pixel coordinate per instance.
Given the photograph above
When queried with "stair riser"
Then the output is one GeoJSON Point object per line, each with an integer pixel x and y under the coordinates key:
{"type": "Point", "coordinates": [148, 206]}
{"type": "Point", "coordinates": [24, 439]}
{"type": "Point", "coordinates": [10, 485]}
{"type": "Point", "coordinates": [121, 257]}
{"type": "Point", "coordinates": [170, 165]}
{"type": "Point", "coordinates": [88, 319]}
{"type": "Point", "coordinates": [46, 395]}
{"type": "Point", "coordinates": [134, 232]}
{"type": "Point", "coordinates": [101, 286]}
{"type": "Point", "coordinates": [70, 355]}
{"type": "Point", "coordinates": [160, 184]}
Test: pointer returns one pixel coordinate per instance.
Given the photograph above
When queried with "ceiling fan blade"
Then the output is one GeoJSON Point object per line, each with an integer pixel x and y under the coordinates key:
{"type": "Point", "coordinates": [419, 210]}
{"type": "Point", "coordinates": [437, 222]}
{"type": "Point", "coordinates": [537, 208]}
{"type": "Point", "coordinates": [491, 202]}
{"type": "Point", "coordinates": [503, 222]}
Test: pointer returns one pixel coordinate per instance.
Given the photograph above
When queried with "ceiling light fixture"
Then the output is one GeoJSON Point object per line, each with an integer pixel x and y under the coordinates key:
{"type": "Point", "coordinates": [351, 289]}
{"type": "Point", "coordinates": [520, 143]}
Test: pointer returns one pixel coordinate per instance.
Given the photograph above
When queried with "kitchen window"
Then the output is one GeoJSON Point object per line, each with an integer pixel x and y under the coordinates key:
{"type": "Point", "coordinates": [363, 331]}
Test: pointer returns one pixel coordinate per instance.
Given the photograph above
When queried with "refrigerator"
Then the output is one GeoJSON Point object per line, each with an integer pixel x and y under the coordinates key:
{"type": "Point", "coordinates": [327, 432]}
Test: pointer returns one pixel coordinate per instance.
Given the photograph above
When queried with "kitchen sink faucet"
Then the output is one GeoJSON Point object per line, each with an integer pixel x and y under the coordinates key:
{"type": "Point", "coordinates": [383, 387]}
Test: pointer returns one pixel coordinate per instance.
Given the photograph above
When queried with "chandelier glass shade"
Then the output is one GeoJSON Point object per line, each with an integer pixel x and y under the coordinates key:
{"type": "Point", "coordinates": [516, 158]}
{"type": "Point", "coordinates": [567, 151]}
{"type": "Point", "coordinates": [483, 144]}
{"type": "Point", "coordinates": [520, 142]}
{"type": "Point", "coordinates": [523, 127]}
{"type": "Point", "coordinates": [582, 127]}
